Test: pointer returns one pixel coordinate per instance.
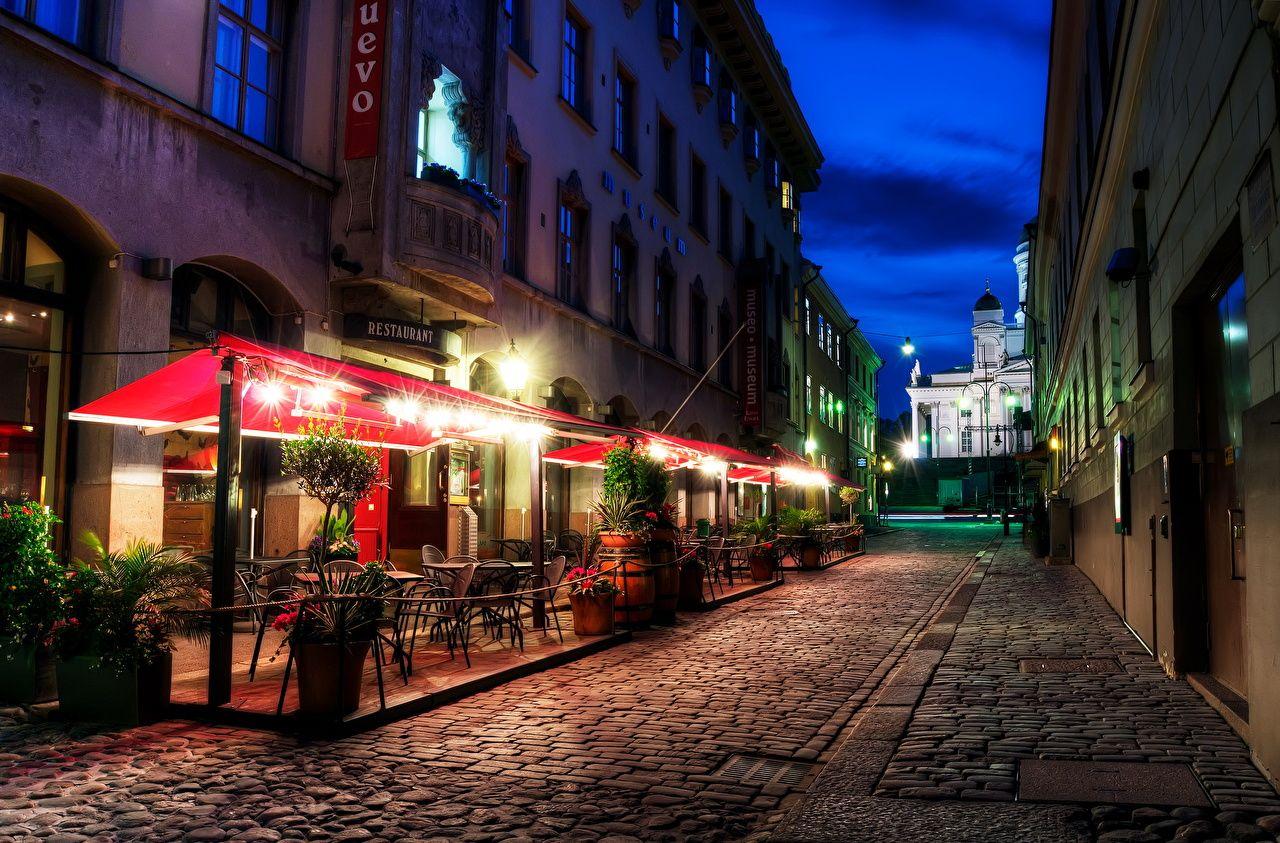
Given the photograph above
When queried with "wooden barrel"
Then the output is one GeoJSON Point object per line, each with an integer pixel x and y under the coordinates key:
{"type": "Point", "coordinates": [631, 573]}
{"type": "Point", "coordinates": [666, 580]}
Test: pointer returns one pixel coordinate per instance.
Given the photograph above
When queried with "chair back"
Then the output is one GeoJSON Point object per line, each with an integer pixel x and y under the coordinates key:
{"type": "Point", "coordinates": [554, 572]}
{"type": "Point", "coordinates": [462, 580]}
{"type": "Point", "coordinates": [431, 554]}
{"type": "Point", "coordinates": [496, 576]}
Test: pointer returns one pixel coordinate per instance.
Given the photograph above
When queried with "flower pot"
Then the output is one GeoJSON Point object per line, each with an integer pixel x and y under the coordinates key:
{"type": "Point", "coordinates": [811, 556]}
{"type": "Point", "coordinates": [96, 693]}
{"type": "Point", "coordinates": [691, 574]}
{"type": "Point", "coordinates": [27, 674]}
{"type": "Point", "coordinates": [618, 540]}
{"type": "Point", "coordinates": [329, 677]}
{"type": "Point", "coordinates": [592, 614]}
{"type": "Point", "coordinates": [761, 567]}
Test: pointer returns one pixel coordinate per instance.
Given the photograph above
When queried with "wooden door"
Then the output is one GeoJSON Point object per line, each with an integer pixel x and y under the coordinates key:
{"type": "Point", "coordinates": [1223, 392]}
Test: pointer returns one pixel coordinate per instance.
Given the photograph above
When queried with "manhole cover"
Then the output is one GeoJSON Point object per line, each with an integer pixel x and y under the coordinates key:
{"type": "Point", "coordinates": [1111, 783]}
{"type": "Point", "coordinates": [759, 770]}
{"type": "Point", "coordinates": [1099, 666]}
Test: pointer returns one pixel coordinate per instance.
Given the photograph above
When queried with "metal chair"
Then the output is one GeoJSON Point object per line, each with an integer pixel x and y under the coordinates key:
{"type": "Point", "coordinates": [545, 587]}
{"type": "Point", "coordinates": [443, 608]}
{"type": "Point", "coordinates": [285, 595]}
{"type": "Point", "coordinates": [431, 554]}
{"type": "Point", "coordinates": [494, 579]}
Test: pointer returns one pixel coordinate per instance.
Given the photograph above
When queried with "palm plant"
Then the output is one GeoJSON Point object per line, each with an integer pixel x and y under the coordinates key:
{"type": "Point", "coordinates": [351, 611]}
{"type": "Point", "coordinates": [617, 512]}
{"type": "Point", "coordinates": [127, 606]}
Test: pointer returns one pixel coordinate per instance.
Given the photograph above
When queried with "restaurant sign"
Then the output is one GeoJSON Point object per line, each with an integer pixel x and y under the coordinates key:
{"type": "Point", "coordinates": [364, 78]}
{"type": "Point", "coordinates": [752, 356]}
{"type": "Point", "coordinates": [443, 344]}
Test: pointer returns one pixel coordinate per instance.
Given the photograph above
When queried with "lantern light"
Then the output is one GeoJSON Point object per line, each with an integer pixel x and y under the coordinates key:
{"type": "Point", "coordinates": [907, 348]}
{"type": "Point", "coordinates": [1054, 442]}
{"type": "Point", "coordinates": [514, 370]}
{"type": "Point", "coordinates": [810, 446]}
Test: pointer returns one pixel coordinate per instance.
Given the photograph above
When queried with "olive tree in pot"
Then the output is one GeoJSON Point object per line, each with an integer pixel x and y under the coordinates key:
{"type": "Point", "coordinates": [331, 633]}
{"type": "Point", "coordinates": [32, 601]}
{"type": "Point", "coordinates": [124, 610]}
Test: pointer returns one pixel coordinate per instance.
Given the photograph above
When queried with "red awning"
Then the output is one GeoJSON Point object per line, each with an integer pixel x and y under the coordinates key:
{"type": "Point", "coordinates": [675, 451]}
{"type": "Point", "coordinates": [795, 462]}
{"type": "Point", "coordinates": [283, 389]}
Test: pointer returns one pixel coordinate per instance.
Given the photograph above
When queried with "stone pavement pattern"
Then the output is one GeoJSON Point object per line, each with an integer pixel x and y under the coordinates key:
{"type": "Point", "coordinates": [980, 714]}
{"type": "Point", "coordinates": [621, 745]}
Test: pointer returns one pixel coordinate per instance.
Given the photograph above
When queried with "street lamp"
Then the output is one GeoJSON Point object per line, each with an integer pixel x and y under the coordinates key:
{"type": "Point", "coordinates": [907, 348]}
{"type": "Point", "coordinates": [514, 370]}
{"type": "Point", "coordinates": [1010, 400]}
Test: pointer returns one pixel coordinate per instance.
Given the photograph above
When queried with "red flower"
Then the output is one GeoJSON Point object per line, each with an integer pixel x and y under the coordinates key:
{"type": "Point", "coordinates": [652, 516]}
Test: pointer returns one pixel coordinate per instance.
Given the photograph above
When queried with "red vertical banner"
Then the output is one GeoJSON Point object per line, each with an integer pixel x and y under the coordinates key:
{"type": "Point", "coordinates": [752, 354]}
{"type": "Point", "coordinates": [364, 78]}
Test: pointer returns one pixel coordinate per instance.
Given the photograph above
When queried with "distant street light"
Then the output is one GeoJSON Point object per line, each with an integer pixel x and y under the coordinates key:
{"type": "Point", "coordinates": [907, 348]}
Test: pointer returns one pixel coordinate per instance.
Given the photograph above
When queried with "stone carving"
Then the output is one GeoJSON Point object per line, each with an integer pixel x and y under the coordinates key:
{"type": "Point", "coordinates": [431, 70]}
{"type": "Point", "coordinates": [445, 229]}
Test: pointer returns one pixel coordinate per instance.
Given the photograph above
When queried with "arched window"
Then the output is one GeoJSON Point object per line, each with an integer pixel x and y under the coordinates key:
{"type": "Point", "coordinates": [205, 299]}
{"type": "Point", "coordinates": [438, 125]}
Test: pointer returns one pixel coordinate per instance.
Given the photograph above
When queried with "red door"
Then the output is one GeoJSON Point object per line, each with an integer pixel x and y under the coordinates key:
{"type": "Point", "coordinates": [370, 525]}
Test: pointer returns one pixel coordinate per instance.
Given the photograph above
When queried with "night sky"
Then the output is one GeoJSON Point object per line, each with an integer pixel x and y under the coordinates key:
{"type": "Point", "coordinates": [930, 114]}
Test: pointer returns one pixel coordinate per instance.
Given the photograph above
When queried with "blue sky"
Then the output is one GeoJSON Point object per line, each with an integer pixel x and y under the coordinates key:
{"type": "Point", "coordinates": [930, 114]}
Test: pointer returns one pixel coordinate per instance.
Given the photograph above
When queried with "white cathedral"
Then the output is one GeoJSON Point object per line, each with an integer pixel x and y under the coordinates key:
{"type": "Point", "coordinates": [975, 410]}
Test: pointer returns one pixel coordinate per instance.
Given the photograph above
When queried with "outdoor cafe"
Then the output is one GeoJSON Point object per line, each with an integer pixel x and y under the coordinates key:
{"type": "Point", "coordinates": [472, 580]}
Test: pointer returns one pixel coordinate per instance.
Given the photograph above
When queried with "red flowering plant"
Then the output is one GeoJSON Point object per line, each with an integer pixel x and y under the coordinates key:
{"type": "Point", "coordinates": [349, 611]}
{"type": "Point", "coordinates": [32, 581]}
{"type": "Point", "coordinates": [590, 582]}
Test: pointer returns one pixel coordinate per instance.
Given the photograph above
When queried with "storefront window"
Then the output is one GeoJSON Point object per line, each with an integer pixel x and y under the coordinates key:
{"type": "Point", "coordinates": [30, 395]}
{"type": "Point", "coordinates": [44, 269]}
{"type": "Point", "coordinates": [486, 491]}
{"type": "Point", "coordinates": [420, 479]}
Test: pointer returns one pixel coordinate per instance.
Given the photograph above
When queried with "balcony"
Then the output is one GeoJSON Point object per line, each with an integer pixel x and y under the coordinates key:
{"type": "Point", "coordinates": [448, 233]}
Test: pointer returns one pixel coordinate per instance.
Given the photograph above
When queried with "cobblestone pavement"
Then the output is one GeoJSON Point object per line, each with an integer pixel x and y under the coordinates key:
{"type": "Point", "coordinates": [622, 745]}
{"type": "Point", "coordinates": [979, 714]}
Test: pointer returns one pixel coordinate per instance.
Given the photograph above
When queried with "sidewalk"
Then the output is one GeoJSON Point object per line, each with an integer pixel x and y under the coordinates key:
{"type": "Point", "coordinates": [982, 725]}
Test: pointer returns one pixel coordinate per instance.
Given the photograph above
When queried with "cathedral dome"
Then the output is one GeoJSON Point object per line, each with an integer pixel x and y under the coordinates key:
{"type": "Point", "coordinates": [987, 302]}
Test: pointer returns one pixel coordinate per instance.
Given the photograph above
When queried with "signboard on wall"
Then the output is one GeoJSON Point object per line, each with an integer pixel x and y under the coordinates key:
{"type": "Point", "coordinates": [364, 78]}
{"type": "Point", "coordinates": [752, 354]}
{"type": "Point", "coordinates": [443, 345]}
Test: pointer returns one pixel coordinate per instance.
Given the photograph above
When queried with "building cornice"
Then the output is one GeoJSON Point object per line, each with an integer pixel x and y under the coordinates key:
{"type": "Point", "coordinates": [747, 49]}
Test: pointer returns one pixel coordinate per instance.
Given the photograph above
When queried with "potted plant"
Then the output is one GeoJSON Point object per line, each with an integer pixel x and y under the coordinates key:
{"type": "Point", "coordinates": [124, 610]}
{"type": "Point", "coordinates": [802, 524]}
{"type": "Point", "coordinates": [762, 557]}
{"type": "Point", "coordinates": [618, 522]}
{"type": "Point", "coordinates": [338, 542]}
{"type": "Point", "coordinates": [591, 597]}
{"type": "Point", "coordinates": [331, 635]}
{"type": "Point", "coordinates": [32, 601]}
{"type": "Point", "coordinates": [849, 496]}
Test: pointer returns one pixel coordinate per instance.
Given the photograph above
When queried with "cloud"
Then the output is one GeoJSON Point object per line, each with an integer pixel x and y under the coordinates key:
{"type": "Point", "coordinates": [892, 210]}
{"type": "Point", "coordinates": [1019, 23]}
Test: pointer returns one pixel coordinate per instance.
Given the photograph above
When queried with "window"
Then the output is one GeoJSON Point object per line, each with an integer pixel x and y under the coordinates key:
{"type": "Point", "coordinates": [966, 441]}
{"type": "Point", "coordinates": [788, 195]}
{"type": "Point", "coordinates": [515, 210]}
{"type": "Point", "coordinates": [65, 19]}
{"type": "Point", "coordinates": [573, 65]}
{"type": "Point", "coordinates": [701, 65]}
{"type": "Point", "coordinates": [808, 319]}
{"type": "Point", "coordinates": [572, 219]}
{"type": "Point", "coordinates": [624, 115]}
{"type": "Point", "coordinates": [751, 143]}
{"type": "Point", "coordinates": [437, 129]}
{"type": "Point", "coordinates": [664, 287]}
{"type": "Point", "coordinates": [669, 20]}
{"type": "Point", "coordinates": [726, 224]}
{"type": "Point", "coordinates": [667, 160]}
{"type": "Point", "coordinates": [830, 341]}
{"type": "Point", "coordinates": [822, 404]}
{"type": "Point", "coordinates": [822, 333]}
{"type": "Point", "coordinates": [748, 238]}
{"type": "Point", "coordinates": [698, 327]}
{"type": "Point", "coordinates": [808, 394]}
{"type": "Point", "coordinates": [622, 269]}
{"type": "Point", "coordinates": [246, 72]}
{"type": "Point", "coordinates": [697, 195]}
{"type": "Point", "coordinates": [728, 104]}
{"type": "Point", "coordinates": [518, 36]}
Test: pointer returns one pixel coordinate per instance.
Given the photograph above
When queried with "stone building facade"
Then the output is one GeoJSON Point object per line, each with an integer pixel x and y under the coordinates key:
{"type": "Point", "coordinates": [1154, 312]}
{"type": "Point", "coordinates": [433, 186]}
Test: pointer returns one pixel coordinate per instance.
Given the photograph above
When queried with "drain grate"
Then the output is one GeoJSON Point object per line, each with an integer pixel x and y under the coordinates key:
{"type": "Point", "coordinates": [761, 770]}
{"type": "Point", "coordinates": [1098, 666]}
{"type": "Point", "coordinates": [1109, 783]}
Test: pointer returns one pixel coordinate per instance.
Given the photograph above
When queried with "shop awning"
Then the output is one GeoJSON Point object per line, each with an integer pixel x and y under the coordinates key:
{"type": "Point", "coordinates": [798, 469]}
{"type": "Point", "coordinates": [675, 451]}
{"type": "Point", "coordinates": [283, 389]}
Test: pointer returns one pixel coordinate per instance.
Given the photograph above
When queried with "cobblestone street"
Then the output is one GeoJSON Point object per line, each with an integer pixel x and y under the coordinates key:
{"type": "Point", "coordinates": [634, 743]}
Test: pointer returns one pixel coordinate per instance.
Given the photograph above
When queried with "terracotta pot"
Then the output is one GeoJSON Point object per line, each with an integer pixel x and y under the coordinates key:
{"type": "Point", "coordinates": [761, 567]}
{"type": "Point", "coordinates": [592, 614]}
{"type": "Point", "coordinates": [99, 694]}
{"type": "Point", "coordinates": [27, 675]}
{"type": "Point", "coordinates": [811, 557]}
{"type": "Point", "coordinates": [616, 540]}
{"type": "Point", "coordinates": [691, 576]}
{"type": "Point", "coordinates": [632, 574]}
{"type": "Point", "coordinates": [319, 666]}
